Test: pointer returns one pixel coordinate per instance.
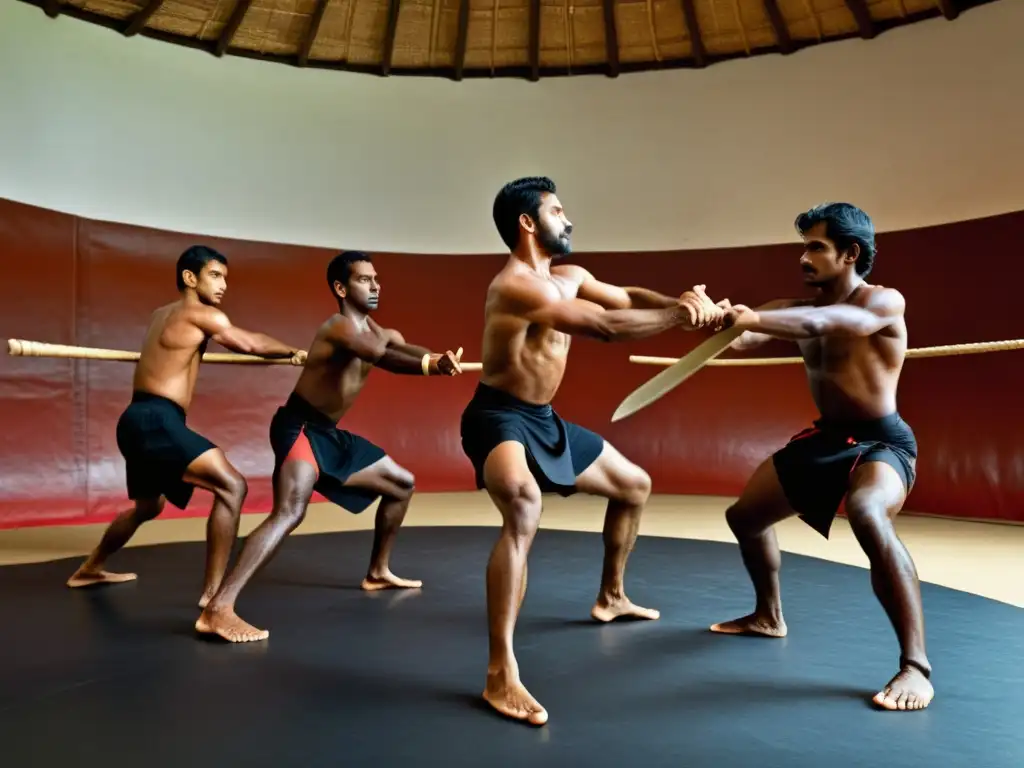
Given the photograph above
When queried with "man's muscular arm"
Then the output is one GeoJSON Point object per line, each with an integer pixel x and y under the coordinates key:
{"type": "Point", "coordinates": [752, 339]}
{"type": "Point", "coordinates": [580, 317]}
{"type": "Point", "coordinates": [218, 327]}
{"type": "Point", "coordinates": [373, 346]}
{"type": "Point", "coordinates": [399, 351]}
{"type": "Point", "coordinates": [883, 307]}
{"type": "Point", "coordinates": [613, 296]}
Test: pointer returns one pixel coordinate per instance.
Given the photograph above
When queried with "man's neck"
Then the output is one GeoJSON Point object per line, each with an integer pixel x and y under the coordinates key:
{"type": "Point", "coordinates": [840, 289]}
{"type": "Point", "coordinates": [533, 257]}
{"type": "Point", "coordinates": [361, 319]}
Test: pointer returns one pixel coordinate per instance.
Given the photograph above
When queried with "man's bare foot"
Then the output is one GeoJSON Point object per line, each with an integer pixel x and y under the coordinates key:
{"type": "Point", "coordinates": [753, 625]}
{"type": "Point", "coordinates": [909, 690]}
{"type": "Point", "coordinates": [609, 609]}
{"type": "Point", "coordinates": [206, 597]}
{"type": "Point", "coordinates": [388, 580]}
{"type": "Point", "coordinates": [228, 626]}
{"type": "Point", "coordinates": [506, 694]}
{"type": "Point", "coordinates": [84, 577]}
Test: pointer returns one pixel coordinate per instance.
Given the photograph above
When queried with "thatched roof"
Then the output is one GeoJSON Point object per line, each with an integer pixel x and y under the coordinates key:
{"type": "Point", "coordinates": [501, 38]}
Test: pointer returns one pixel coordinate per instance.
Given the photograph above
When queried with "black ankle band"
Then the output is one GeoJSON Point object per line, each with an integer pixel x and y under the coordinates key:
{"type": "Point", "coordinates": [905, 662]}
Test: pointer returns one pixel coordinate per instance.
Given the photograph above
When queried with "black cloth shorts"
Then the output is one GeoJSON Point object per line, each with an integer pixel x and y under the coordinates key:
{"type": "Point", "coordinates": [815, 466]}
{"type": "Point", "coordinates": [557, 451]}
{"type": "Point", "coordinates": [338, 454]}
{"type": "Point", "coordinates": [158, 447]}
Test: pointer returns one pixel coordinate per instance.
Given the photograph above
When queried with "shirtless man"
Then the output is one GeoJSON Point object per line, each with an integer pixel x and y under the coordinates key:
{"type": "Point", "coordinates": [164, 459]}
{"type": "Point", "coordinates": [853, 337]}
{"type": "Point", "coordinates": [312, 453]}
{"type": "Point", "coordinates": [519, 446]}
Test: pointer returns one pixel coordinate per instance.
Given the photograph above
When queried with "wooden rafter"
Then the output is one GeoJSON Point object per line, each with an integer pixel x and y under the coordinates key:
{"type": "Point", "coordinates": [139, 20]}
{"type": "Point", "coordinates": [861, 14]}
{"type": "Point", "coordinates": [389, 36]}
{"type": "Point", "coordinates": [611, 38]}
{"type": "Point", "coordinates": [461, 38]}
{"type": "Point", "coordinates": [311, 33]}
{"type": "Point", "coordinates": [949, 8]}
{"type": "Point", "coordinates": [535, 40]}
{"type": "Point", "coordinates": [700, 55]}
{"type": "Point", "coordinates": [771, 7]}
{"type": "Point", "coordinates": [232, 26]}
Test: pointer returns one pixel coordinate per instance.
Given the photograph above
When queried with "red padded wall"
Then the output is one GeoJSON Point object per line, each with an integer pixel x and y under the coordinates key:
{"type": "Point", "coordinates": [70, 280]}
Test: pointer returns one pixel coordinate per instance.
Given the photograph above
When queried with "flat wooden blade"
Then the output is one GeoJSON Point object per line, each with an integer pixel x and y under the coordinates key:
{"type": "Point", "coordinates": [676, 374]}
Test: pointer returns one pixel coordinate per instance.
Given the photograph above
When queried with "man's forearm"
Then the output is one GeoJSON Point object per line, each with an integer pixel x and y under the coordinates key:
{"type": "Point", "coordinates": [410, 349]}
{"type": "Point", "coordinates": [643, 298]}
{"type": "Point", "coordinates": [269, 347]}
{"type": "Point", "coordinates": [397, 360]}
{"type": "Point", "coordinates": [629, 324]}
{"type": "Point", "coordinates": [797, 323]}
{"type": "Point", "coordinates": [750, 340]}
{"type": "Point", "coordinates": [792, 324]}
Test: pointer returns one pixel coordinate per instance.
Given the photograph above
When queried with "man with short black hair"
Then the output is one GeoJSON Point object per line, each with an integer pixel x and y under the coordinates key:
{"type": "Point", "coordinates": [853, 338]}
{"type": "Point", "coordinates": [164, 459]}
{"type": "Point", "coordinates": [312, 453]}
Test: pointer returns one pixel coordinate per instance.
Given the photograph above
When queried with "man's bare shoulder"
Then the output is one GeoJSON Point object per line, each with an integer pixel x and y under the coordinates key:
{"type": "Point", "coordinates": [393, 335]}
{"type": "Point", "coordinates": [337, 328]}
{"type": "Point", "coordinates": [573, 272]}
{"type": "Point", "coordinates": [881, 299]}
{"type": "Point", "coordinates": [209, 320]}
{"type": "Point", "coordinates": [521, 290]}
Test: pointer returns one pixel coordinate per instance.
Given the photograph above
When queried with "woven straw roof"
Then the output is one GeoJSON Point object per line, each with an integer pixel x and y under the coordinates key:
{"type": "Point", "coordinates": [496, 38]}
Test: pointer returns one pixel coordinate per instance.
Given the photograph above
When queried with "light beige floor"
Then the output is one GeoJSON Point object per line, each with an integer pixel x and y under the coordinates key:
{"type": "Point", "coordinates": [983, 558]}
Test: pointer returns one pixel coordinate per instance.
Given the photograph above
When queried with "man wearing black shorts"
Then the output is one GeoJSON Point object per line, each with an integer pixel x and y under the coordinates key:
{"type": "Point", "coordinates": [165, 460]}
{"type": "Point", "coordinates": [519, 446]}
{"type": "Point", "coordinates": [853, 338]}
{"type": "Point", "coordinates": [312, 453]}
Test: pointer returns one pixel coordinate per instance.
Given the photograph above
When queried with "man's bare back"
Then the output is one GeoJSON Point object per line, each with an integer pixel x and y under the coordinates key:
{"type": "Point", "coordinates": [172, 351]}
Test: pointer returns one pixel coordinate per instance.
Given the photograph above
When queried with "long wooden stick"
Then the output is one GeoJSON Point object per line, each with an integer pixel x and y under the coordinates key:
{"type": "Point", "coordinates": [943, 351]}
{"type": "Point", "coordinates": [23, 348]}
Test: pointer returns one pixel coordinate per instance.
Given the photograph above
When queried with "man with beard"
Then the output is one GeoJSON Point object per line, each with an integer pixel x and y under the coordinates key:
{"type": "Point", "coordinates": [519, 446]}
{"type": "Point", "coordinates": [853, 338]}
{"type": "Point", "coordinates": [312, 454]}
{"type": "Point", "coordinates": [164, 459]}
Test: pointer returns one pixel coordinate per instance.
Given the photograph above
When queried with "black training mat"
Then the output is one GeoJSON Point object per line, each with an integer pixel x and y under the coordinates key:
{"type": "Point", "coordinates": [115, 676]}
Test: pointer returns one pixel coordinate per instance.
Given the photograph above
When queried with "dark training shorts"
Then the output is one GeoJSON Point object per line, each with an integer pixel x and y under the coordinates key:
{"type": "Point", "coordinates": [299, 431]}
{"type": "Point", "coordinates": [158, 447]}
{"type": "Point", "coordinates": [557, 451]}
{"type": "Point", "coordinates": [815, 466]}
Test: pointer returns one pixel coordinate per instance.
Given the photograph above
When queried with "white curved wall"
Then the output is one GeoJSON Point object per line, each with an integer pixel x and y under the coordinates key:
{"type": "Point", "coordinates": [923, 125]}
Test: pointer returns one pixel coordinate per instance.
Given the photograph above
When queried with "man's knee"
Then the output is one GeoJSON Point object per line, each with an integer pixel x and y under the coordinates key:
{"type": "Point", "coordinates": [232, 488]}
{"type": "Point", "coordinates": [520, 504]}
{"type": "Point", "coordinates": [634, 486]}
{"type": "Point", "coordinates": [149, 509]}
{"type": "Point", "coordinates": [745, 522]}
{"type": "Point", "coordinates": [402, 479]}
{"type": "Point", "coordinates": [869, 519]}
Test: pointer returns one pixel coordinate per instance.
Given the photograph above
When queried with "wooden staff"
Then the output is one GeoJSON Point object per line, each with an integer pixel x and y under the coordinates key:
{"type": "Point", "coordinates": [23, 348]}
{"type": "Point", "coordinates": [943, 351]}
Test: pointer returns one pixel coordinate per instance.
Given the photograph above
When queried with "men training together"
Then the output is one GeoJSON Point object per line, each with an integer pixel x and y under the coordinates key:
{"type": "Point", "coordinates": [852, 337]}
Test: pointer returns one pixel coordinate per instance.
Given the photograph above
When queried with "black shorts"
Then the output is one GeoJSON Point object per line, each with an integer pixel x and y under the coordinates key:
{"type": "Point", "coordinates": [557, 451]}
{"type": "Point", "coordinates": [157, 448]}
{"type": "Point", "coordinates": [299, 431]}
{"type": "Point", "coordinates": [814, 468]}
